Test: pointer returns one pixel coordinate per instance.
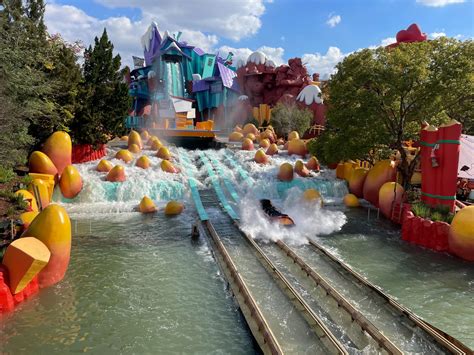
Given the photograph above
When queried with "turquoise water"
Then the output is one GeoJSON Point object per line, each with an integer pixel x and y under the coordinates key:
{"type": "Point", "coordinates": [139, 284]}
{"type": "Point", "coordinates": [136, 284]}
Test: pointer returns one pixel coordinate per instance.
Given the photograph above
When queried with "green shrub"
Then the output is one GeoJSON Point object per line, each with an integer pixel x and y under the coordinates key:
{"type": "Point", "coordinates": [288, 118]}
{"type": "Point", "coordinates": [6, 175]}
{"type": "Point", "coordinates": [420, 210]}
{"type": "Point", "coordinates": [437, 217]}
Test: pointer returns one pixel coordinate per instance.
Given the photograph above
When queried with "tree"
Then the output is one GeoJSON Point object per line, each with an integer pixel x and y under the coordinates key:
{"type": "Point", "coordinates": [287, 118]}
{"type": "Point", "coordinates": [103, 94]}
{"type": "Point", "coordinates": [379, 97]}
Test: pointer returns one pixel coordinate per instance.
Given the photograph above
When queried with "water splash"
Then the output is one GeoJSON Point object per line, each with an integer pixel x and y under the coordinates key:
{"type": "Point", "coordinates": [310, 219]}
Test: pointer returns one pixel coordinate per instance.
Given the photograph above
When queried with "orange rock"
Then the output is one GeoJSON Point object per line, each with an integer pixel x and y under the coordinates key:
{"type": "Point", "coordinates": [27, 218]}
{"type": "Point", "coordinates": [146, 205]}
{"type": "Point", "coordinates": [349, 167]}
{"type": "Point", "coordinates": [237, 128]}
{"type": "Point", "coordinates": [58, 147]}
{"type": "Point", "coordinates": [461, 234]}
{"type": "Point", "coordinates": [164, 153]}
{"type": "Point", "coordinates": [124, 155]}
{"type": "Point", "coordinates": [24, 259]}
{"type": "Point", "coordinates": [301, 169]}
{"type": "Point", "coordinates": [70, 182]}
{"type": "Point", "coordinates": [389, 193]}
{"type": "Point", "coordinates": [143, 162]}
{"type": "Point", "coordinates": [351, 200]}
{"type": "Point", "coordinates": [29, 198]}
{"type": "Point", "coordinates": [173, 208]}
{"type": "Point", "coordinates": [264, 143]}
{"type": "Point", "coordinates": [247, 144]}
{"type": "Point", "coordinates": [124, 138]}
{"type": "Point", "coordinates": [356, 182]}
{"type": "Point", "coordinates": [144, 135]}
{"type": "Point", "coordinates": [286, 172]}
{"type": "Point", "coordinates": [41, 164]}
{"type": "Point", "coordinates": [313, 164]}
{"type": "Point", "coordinates": [382, 172]}
{"type": "Point", "coordinates": [134, 138]}
{"type": "Point", "coordinates": [167, 166]}
{"type": "Point", "coordinates": [116, 174]}
{"type": "Point", "coordinates": [156, 144]}
{"type": "Point", "coordinates": [42, 188]}
{"type": "Point", "coordinates": [272, 149]}
{"type": "Point", "coordinates": [251, 136]}
{"type": "Point", "coordinates": [133, 148]}
{"type": "Point", "coordinates": [236, 137]}
{"type": "Point", "coordinates": [261, 157]}
{"type": "Point", "coordinates": [298, 147]}
{"type": "Point", "coordinates": [250, 128]}
{"type": "Point", "coordinates": [293, 135]}
{"type": "Point", "coordinates": [268, 134]}
{"type": "Point", "coordinates": [53, 227]}
{"type": "Point", "coordinates": [340, 171]}
{"type": "Point", "coordinates": [104, 166]}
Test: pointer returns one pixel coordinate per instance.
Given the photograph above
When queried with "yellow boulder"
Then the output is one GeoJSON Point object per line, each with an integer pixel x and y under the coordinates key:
{"type": "Point", "coordinates": [297, 147]}
{"type": "Point", "coordinates": [124, 138]}
{"type": "Point", "coordinates": [42, 164]}
{"type": "Point", "coordinates": [24, 259]}
{"type": "Point", "coordinates": [340, 171]}
{"type": "Point", "coordinates": [382, 172]}
{"type": "Point", "coordinates": [272, 149]}
{"type": "Point", "coordinates": [29, 199]}
{"type": "Point", "coordinates": [247, 144]}
{"type": "Point", "coordinates": [264, 143]}
{"type": "Point", "coordinates": [356, 182]}
{"type": "Point", "coordinates": [146, 205]}
{"type": "Point", "coordinates": [116, 174]}
{"type": "Point", "coordinates": [164, 153]}
{"type": "Point", "coordinates": [143, 162]}
{"type": "Point", "coordinates": [134, 138]}
{"type": "Point", "coordinates": [144, 135]}
{"type": "Point", "coordinates": [250, 128]}
{"type": "Point", "coordinates": [461, 234]}
{"type": "Point", "coordinates": [312, 195]}
{"type": "Point", "coordinates": [53, 227]}
{"type": "Point", "coordinates": [261, 157]}
{"type": "Point", "coordinates": [28, 217]}
{"type": "Point", "coordinates": [58, 147]}
{"type": "Point", "coordinates": [134, 148]}
{"type": "Point", "coordinates": [293, 135]}
{"type": "Point", "coordinates": [301, 169]}
{"type": "Point", "coordinates": [286, 172]}
{"type": "Point", "coordinates": [349, 167]}
{"type": "Point", "coordinates": [389, 193]}
{"type": "Point", "coordinates": [104, 166]}
{"type": "Point", "coordinates": [251, 136]}
{"type": "Point", "coordinates": [168, 166]}
{"type": "Point", "coordinates": [173, 208]}
{"type": "Point", "coordinates": [125, 155]}
{"type": "Point", "coordinates": [351, 200]}
{"type": "Point", "coordinates": [42, 188]}
{"type": "Point", "coordinates": [236, 137]}
{"type": "Point", "coordinates": [156, 144]}
{"type": "Point", "coordinates": [70, 182]}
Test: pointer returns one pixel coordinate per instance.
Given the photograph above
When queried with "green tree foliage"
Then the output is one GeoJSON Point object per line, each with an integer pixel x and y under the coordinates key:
{"type": "Point", "coordinates": [379, 97]}
{"type": "Point", "coordinates": [287, 118]}
{"type": "Point", "coordinates": [103, 94]}
{"type": "Point", "coordinates": [40, 73]}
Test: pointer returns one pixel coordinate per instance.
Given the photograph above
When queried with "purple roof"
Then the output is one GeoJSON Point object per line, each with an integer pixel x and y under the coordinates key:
{"type": "Point", "coordinates": [199, 51]}
{"type": "Point", "coordinates": [227, 75]}
{"type": "Point", "coordinates": [155, 44]}
{"type": "Point", "coordinates": [200, 85]}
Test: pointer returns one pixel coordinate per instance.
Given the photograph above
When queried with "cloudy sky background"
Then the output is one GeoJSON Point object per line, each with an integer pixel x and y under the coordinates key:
{"type": "Point", "coordinates": [322, 32]}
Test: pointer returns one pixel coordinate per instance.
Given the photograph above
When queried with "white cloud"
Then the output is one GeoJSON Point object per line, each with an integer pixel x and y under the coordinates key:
{"type": "Point", "coordinates": [233, 19]}
{"type": "Point", "coordinates": [333, 20]}
{"type": "Point", "coordinates": [387, 41]}
{"type": "Point", "coordinates": [439, 3]}
{"type": "Point", "coordinates": [435, 35]}
{"type": "Point", "coordinates": [323, 63]}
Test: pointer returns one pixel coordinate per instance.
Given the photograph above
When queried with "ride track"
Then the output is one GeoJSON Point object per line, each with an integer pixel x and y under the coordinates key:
{"type": "Point", "coordinates": [335, 341]}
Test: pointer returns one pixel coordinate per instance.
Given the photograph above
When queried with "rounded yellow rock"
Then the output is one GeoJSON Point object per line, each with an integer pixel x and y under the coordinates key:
{"type": "Point", "coordinates": [351, 200]}
{"type": "Point", "coordinates": [58, 147]}
{"type": "Point", "coordinates": [104, 166]}
{"type": "Point", "coordinates": [29, 198]}
{"type": "Point", "coordinates": [173, 208]}
{"type": "Point", "coordinates": [124, 155]}
{"type": "Point", "coordinates": [143, 162]}
{"type": "Point", "coordinates": [70, 182]}
{"type": "Point", "coordinates": [146, 205]}
{"type": "Point", "coordinates": [40, 163]}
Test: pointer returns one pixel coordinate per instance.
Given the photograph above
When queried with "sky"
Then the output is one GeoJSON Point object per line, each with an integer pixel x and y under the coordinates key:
{"type": "Point", "coordinates": [321, 32]}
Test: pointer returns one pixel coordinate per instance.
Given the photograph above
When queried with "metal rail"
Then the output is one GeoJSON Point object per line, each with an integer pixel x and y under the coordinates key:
{"type": "Point", "coordinates": [257, 323]}
{"type": "Point", "coordinates": [442, 339]}
{"type": "Point", "coordinates": [356, 316]}
{"type": "Point", "coordinates": [322, 331]}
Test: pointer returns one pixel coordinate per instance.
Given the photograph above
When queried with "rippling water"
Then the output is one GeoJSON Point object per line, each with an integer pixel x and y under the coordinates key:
{"type": "Point", "coordinates": [137, 284]}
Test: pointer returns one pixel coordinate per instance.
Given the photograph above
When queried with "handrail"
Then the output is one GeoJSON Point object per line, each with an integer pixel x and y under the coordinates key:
{"type": "Point", "coordinates": [356, 315]}
{"type": "Point", "coordinates": [454, 347]}
{"type": "Point", "coordinates": [267, 341]}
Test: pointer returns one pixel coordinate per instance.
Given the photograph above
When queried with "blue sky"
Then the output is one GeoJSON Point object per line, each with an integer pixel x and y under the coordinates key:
{"type": "Point", "coordinates": [320, 31]}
